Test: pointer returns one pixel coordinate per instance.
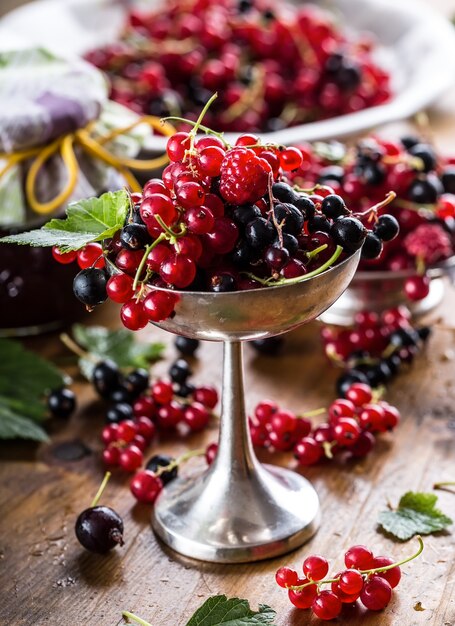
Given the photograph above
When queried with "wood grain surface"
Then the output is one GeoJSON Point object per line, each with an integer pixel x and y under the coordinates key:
{"type": "Point", "coordinates": [47, 579]}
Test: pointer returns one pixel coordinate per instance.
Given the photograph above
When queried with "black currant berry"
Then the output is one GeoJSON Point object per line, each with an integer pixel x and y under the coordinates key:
{"type": "Point", "coordinates": [448, 179]}
{"type": "Point", "coordinates": [259, 233]}
{"type": "Point", "coordinates": [425, 190]}
{"type": "Point", "coordinates": [89, 286]}
{"type": "Point", "coordinates": [106, 377]}
{"type": "Point", "coordinates": [409, 141]}
{"type": "Point", "coordinates": [242, 254]}
{"type": "Point", "coordinates": [331, 173]}
{"type": "Point", "coordinates": [333, 206]}
{"type": "Point", "coordinates": [276, 257]}
{"type": "Point", "coordinates": [184, 390]}
{"type": "Point", "coordinates": [319, 222]}
{"type": "Point", "coordinates": [162, 460]}
{"type": "Point", "coordinates": [379, 374]}
{"type": "Point", "coordinates": [283, 192]}
{"type": "Point", "coordinates": [245, 213]}
{"type": "Point", "coordinates": [373, 173]}
{"type": "Point", "coordinates": [134, 236]}
{"type": "Point", "coordinates": [61, 402]}
{"type": "Point", "coordinates": [288, 242]}
{"type": "Point", "coordinates": [426, 154]}
{"type": "Point", "coordinates": [119, 412]}
{"type": "Point", "coordinates": [305, 206]}
{"type": "Point", "coordinates": [387, 227]}
{"type": "Point", "coordinates": [290, 218]}
{"type": "Point", "coordinates": [179, 371]}
{"type": "Point", "coordinates": [222, 282]}
{"type": "Point", "coordinates": [349, 233]}
{"type": "Point", "coordinates": [424, 332]}
{"type": "Point", "coordinates": [99, 529]}
{"type": "Point", "coordinates": [393, 363]}
{"type": "Point", "coordinates": [121, 395]}
{"type": "Point", "coordinates": [186, 346]}
{"type": "Point", "coordinates": [270, 346]}
{"type": "Point", "coordinates": [137, 381]}
{"type": "Point", "coordinates": [346, 380]}
{"type": "Point", "coordinates": [348, 77]}
{"type": "Point", "coordinates": [372, 247]}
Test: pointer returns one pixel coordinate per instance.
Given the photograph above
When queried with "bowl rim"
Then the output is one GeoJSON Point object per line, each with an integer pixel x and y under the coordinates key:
{"type": "Point", "coordinates": [435, 271]}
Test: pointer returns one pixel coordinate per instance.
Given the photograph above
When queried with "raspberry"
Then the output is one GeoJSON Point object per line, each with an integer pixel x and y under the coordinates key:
{"type": "Point", "coordinates": [244, 176]}
{"type": "Point", "coordinates": [429, 242]}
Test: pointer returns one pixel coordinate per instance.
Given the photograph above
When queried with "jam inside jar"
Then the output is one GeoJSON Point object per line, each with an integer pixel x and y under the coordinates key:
{"type": "Point", "coordinates": [36, 293]}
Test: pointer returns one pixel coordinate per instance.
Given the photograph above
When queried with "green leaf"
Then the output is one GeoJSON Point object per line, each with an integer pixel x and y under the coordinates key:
{"type": "Point", "coordinates": [119, 345]}
{"type": "Point", "coordinates": [24, 379]}
{"type": "Point", "coordinates": [94, 219]}
{"type": "Point", "coordinates": [14, 426]}
{"type": "Point", "coordinates": [416, 515]}
{"type": "Point", "coordinates": [223, 611]}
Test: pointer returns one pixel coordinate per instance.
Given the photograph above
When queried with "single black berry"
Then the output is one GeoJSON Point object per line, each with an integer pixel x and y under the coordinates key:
{"type": "Point", "coordinates": [270, 346]}
{"type": "Point", "coordinates": [425, 190]}
{"type": "Point", "coordinates": [387, 227]}
{"type": "Point", "coordinates": [283, 192]}
{"type": "Point", "coordinates": [348, 77]}
{"type": "Point", "coordinates": [346, 380]}
{"type": "Point", "coordinates": [448, 179]}
{"type": "Point", "coordinates": [106, 377]}
{"type": "Point", "coordinates": [331, 173]}
{"type": "Point", "coordinates": [372, 247]}
{"type": "Point", "coordinates": [186, 346]}
{"type": "Point", "coordinates": [185, 390]}
{"type": "Point", "coordinates": [162, 460]}
{"type": "Point", "coordinates": [121, 394]}
{"type": "Point", "coordinates": [89, 286]}
{"type": "Point", "coordinates": [287, 242]}
{"type": "Point", "coordinates": [289, 217]}
{"type": "Point", "coordinates": [119, 412]}
{"type": "Point", "coordinates": [424, 332]}
{"type": "Point", "coordinates": [305, 206]}
{"type": "Point", "coordinates": [245, 213]}
{"type": "Point", "coordinates": [223, 282]}
{"type": "Point", "coordinates": [99, 529]}
{"type": "Point", "coordinates": [61, 402]}
{"type": "Point", "coordinates": [259, 233]}
{"type": "Point", "coordinates": [349, 233]}
{"type": "Point", "coordinates": [409, 141]}
{"type": "Point", "coordinates": [333, 206]}
{"type": "Point", "coordinates": [137, 381]}
{"type": "Point", "coordinates": [319, 222]}
{"type": "Point", "coordinates": [426, 154]}
{"type": "Point", "coordinates": [134, 236]}
{"type": "Point", "coordinates": [179, 371]}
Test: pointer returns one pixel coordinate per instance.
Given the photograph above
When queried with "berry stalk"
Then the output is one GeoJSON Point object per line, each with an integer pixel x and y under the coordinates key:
{"type": "Point", "coordinates": [127, 616]}
{"type": "Point", "coordinates": [101, 489]}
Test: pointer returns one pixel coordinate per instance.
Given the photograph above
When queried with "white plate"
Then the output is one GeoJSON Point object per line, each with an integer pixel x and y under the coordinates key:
{"type": "Point", "coordinates": [417, 46]}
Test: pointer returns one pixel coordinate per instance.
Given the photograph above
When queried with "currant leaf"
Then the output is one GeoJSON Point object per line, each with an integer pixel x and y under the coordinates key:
{"type": "Point", "coordinates": [93, 219]}
{"type": "Point", "coordinates": [416, 515]}
{"type": "Point", "coordinates": [118, 345]}
{"type": "Point", "coordinates": [223, 611]}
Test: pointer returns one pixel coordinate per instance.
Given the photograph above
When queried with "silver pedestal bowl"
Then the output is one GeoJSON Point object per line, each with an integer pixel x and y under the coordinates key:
{"type": "Point", "coordinates": [239, 510]}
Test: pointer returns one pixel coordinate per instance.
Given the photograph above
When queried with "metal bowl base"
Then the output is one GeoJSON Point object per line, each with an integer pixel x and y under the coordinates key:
{"type": "Point", "coordinates": [216, 517]}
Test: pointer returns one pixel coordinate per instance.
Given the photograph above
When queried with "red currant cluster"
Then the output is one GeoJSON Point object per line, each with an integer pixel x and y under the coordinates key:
{"type": "Point", "coordinates": [424, 182]}
{"type": "Point", "coordinates": [366, 577]}
{"type": "Point", "coordinates": [275, 66]}
{"type": "Point", "coordinates": [164, 407]}
{"type": "Point", "coordinates": [90, 255]}
{"type": "Point", "coordinates": [352, 425]}
{"type": "Point", "coordinates": [375, 349]}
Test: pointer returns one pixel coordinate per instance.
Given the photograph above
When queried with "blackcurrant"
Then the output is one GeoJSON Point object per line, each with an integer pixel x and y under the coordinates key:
{"type": "Point", "coordinates": [283, 192]}
{"type": "Point", "coordinates": [270, 346]}
{"type": "Point", "coordinates": [61, 402]}
{"type": "Point", "coordinates": [242, 254]}
{"type": "Point", "coordinates": [424, 332]}
{"type": "Point", "coordinates": [184, 390]}
{"type": "Point", "coordinates": [331, 173]}
{"type": "Point", "coordinates": [89, 286]}
{"type": "Point", "coordinates": [137, 381]}
{"type": "Point", "coordinates": [179, 371]}
{"type": "Point", "coordinates": [162, 460]}
{"type": "Point", "coordinates": [372, 247]}
{"type": "Point", "coordinates": [448, 179]}
{"type": "Point", "coordinates": [259, 233]}
{"type": "Point", "coordinates": [426, 154]}
{"type": "Point", "coordinates": [425, 190]}
{"type": "Point", "coordinates": [245, 213]}
{"type": "Point", "coordinates": [348, 77]}
{"type": "Point", "coordinates": [333, 206]}
{"type": "Point", "coordinates": [305, 205]}
{"type": "Point", "coordinates": [349, 233]}
{"type": "Point", "coordinates": [186, 346]}
{"type": "Point", "coordinates": [288, 242]}
{"type": "Point", "coordinates": [223, 282]}
{"type": "Point", "coordinates": [99, 529]}
{"type": "Point", "coordinates": [134, 236]}
{"type": "Point", "coordinates": [106, 377]}
{"type": "Point", "coordinates": [409, 141]}
{"type": "Point", "coordinates": [119, 412]}
{"type": "Point", "coordinates": [290, 218]}
{"type": "Point", "coordinates": [346, 380]}
{"type": "Point", "coordinates": [387, 227]}
{"type": "Point", "coordinates": [319, 222]}
{"type": "Point", "coordinates": [121, 394]}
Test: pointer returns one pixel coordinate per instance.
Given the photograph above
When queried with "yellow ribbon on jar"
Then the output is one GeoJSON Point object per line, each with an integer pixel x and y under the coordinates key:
{"type": "Point", "coordinates": [95, 147]}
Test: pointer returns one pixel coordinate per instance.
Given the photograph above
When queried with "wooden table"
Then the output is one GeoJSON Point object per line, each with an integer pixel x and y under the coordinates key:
{"type": "Point", "coordinates": [47, 579]}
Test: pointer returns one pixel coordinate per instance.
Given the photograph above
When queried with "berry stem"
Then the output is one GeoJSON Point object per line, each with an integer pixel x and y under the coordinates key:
{"type": "Point", "coordinates": [449, 483]}
{"type": "Point", "coordinates": [390, 197]}
{"type": "Point", "coordinates": [148, 249]}
{"type": "Point", "coordinates": [102, 487]}
{"type": "Point", "coordinates": [127, 616]}
{"type": "Point", "coordinates": [76, 349]}
{"type": "Point", "coordinates": [316, 251]}
{"type": "Point", "coordinates": [367, 572]}
{"type": "Point", "coordinates": [206, 129]}
{"type": "Point", "coordinates": [313, 412]}
{"type": "Point", "coordinates": [293, 281]}
{"type": "Point", "coordinates": [179, 460]}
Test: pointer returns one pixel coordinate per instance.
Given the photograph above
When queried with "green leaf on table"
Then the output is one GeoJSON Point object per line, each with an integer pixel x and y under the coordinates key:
{"type": "Point", "coordinates": [24, 380]}
{"type": "Point", "coordinates": [416, 515]}
{"type": "Point", "coordinates": [223, 611]}
{"type": "Point", "coordinates": [93, 219]}
{"type": "Point", "coordinates": [120, 346]}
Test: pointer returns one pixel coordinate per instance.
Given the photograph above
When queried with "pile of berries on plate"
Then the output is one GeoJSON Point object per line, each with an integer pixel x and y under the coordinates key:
{"type": "Point", "coordinates": [275, 65]}
{"type": "Point", "coordinates": [424, 182]}
{"type": "Point", "coordinates": [224, 219]}
{"type": "Point", "coordinates": [351, 429]}
{"type": "Point", "coordinates": [375, 349]}
{"type": "Point", "coordinates": [141, 410]}
{"type": "Point", "coordinates": [368, 578]}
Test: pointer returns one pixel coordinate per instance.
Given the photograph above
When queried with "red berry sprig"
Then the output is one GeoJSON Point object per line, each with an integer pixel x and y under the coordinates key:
{"type": "Point", "coordinates": [367, 578]}
{"type": "Point", "coordinates": [353, 423]}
